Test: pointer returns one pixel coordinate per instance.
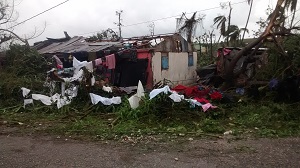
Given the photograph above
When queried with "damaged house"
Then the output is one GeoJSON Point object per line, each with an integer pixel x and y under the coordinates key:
{"type": "Point", "coordinates": [150, 59]}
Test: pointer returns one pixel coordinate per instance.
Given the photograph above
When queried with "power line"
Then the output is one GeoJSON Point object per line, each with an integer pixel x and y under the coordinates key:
{"type": "Point", "coordinates": [39, 14]}
{"type": "Point", "coordinates": [166, 17]}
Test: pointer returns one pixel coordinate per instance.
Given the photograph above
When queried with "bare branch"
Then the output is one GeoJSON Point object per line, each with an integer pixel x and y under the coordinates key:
{"type": "Point", "coordinates": [35, 35]}
{"type": "Point", "coordinates": [10, 14]}
{"type": "Point", "coordinates": [11, 32]}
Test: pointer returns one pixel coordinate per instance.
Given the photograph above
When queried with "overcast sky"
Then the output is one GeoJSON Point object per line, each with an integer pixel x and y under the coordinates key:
{"type": "Point", "coordinates": [84, 18]}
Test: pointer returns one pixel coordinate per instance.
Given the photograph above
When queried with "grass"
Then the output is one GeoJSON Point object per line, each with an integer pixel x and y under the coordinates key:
{"type": "Point", "coordinates": [255, 119]}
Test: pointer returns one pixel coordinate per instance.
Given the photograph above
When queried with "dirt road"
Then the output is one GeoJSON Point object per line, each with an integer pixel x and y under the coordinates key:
{"type": "Point", "coordinates": [46, 151]}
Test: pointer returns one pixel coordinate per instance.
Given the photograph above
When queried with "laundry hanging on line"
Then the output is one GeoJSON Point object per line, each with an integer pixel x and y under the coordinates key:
{"type": "Point", "coordinates": [110, 61]}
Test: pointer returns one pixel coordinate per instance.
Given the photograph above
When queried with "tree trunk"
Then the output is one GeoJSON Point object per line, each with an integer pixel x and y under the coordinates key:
{"type": "Point", "coordinates": [247, 21]}
{"type": "Point", "coordinates": [211, 46]}
{"type": "Point", "coordinates": [229, 75]}
{"type": "Point", "coordinates": [229, 22]}
{"type": "Point", "coordinates": [293, 18]}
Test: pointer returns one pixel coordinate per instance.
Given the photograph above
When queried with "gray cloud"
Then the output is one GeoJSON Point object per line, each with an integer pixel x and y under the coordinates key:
{"type": "Point", "coordinates": [79, 17]}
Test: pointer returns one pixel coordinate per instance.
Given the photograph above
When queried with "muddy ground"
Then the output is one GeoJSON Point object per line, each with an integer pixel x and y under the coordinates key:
{"type": "Point", "coordinates": [31, 150]}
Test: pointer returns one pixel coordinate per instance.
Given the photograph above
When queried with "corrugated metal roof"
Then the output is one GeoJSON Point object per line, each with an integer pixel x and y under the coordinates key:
{"type": "Point", "coordinates": [76, 44]}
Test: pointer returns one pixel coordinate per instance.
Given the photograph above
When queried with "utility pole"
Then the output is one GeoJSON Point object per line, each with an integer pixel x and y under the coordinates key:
{"type": "Point", "coordinates": [151, 28]}
{"type": "Point", "coordinates": [119, 24]}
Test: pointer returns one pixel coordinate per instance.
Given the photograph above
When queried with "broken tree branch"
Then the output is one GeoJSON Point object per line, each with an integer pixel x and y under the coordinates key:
{"type": "Point", "coordinates": [11, 32]}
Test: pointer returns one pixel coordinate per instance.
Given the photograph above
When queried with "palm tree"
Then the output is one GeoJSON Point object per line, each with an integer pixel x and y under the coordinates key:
{"type": "Point", "coordinates": [234, 34]}
{"type": "Point", "coordinates": [221, 24]}
{"type": "Point", "coordinates": [188, 26]}
{"type": "Point", "coordinates": [292, 4]}
{"type": "Point", "coordinates": [251, 4]}
{"type": "Point", "coordinates": [229, 19]}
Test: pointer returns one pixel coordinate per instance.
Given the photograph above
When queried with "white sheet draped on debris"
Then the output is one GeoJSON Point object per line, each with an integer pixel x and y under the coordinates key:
{"type": "Point", "coordinates": [44, 99]}
{"type": "Point", "coordinates": [76, 77]}
{"type": "Point", "coordinates": [78, 65]}
{"type": "Point", "coordinates": [27, 101]}
{"type": "Point", "coordinates": [128, 90]}
{"type": "Point", "coordinates": [25, 91]}
{"type": "Point", "coordinates": [156, 92]}
{"type": "Point", "coordinates": [95, 99]}
{"type": "Point", "coordinates": [62, 99]}
{"type": "Point", "coordinates": [107, 89]}
{"type": "Point", "coordinates": [176, 97]}
{"type": "Point", "coordinates": [134, 100]}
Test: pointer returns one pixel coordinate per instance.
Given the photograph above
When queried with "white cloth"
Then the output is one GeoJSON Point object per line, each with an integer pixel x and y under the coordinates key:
{"type": "Point", "coordinates": [155, 92]}
{"type": "Point", "coordinates": [93, 81]}
{"type": "Point", "coordinates": [176, 97]}
{"type": "Point", "coordinates": [89, 66]}
{"type": "Point", "coordinates": [28, 101]}
{"type": "Point", "coordinates": [95, 99]}
{"type": "Point", "coordinates": [128, 90]}
{"type": "Point", "coordinates": [107, 89]}
{"type": "Point", "coordinates": [76, 77]}
{"type": "Point", "coordinates": [25, 91]}
{"type": "Point", "coordinates": [72, 91]}
{"type": "Point", "coordinates": [63, 101]}
{"type": "Point", "coordinates": [55, 97]}
{"type": "Point", "coordinates": [44, 99]}
{"type": "Point", "coordinates": [140, 90]}
{"type": "Point", "coordinates": [193, 102]}
{"type": "Point", "coordinates": [134, 100]}
{"type": "Point", "coordinates": [77, 65]}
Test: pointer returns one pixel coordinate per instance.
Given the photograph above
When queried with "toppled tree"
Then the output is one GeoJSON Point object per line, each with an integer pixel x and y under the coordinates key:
{"type": "Point", "coordinates": [275, 29]}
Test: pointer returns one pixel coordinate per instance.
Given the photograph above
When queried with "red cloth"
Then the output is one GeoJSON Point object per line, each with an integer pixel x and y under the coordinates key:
{"type": "Point", "coordinates": [111, 61]}
{"type": "Point", "coordinates": [216, 96]}
{"type": "Point", "coordinates": [192, 91]}
{"type": "Point", "coordinates": [201, 100]}
{"type": "Point", "coordinates": [179, 88]}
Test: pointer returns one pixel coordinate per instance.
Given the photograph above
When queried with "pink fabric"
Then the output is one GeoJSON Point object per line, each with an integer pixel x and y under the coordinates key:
{"type": "Point", "coordinates": [225, 52]}
{"type": "Point", "coordinates": [98, 61]}
{"type": "Point", "coordinates": [58, 61]}
{"type": "Point", "coordinates": [111, 61]}
{"type": "Point", "coordinates": [206, 106]}
{"type": "Point", "coordinates": [59, 66]}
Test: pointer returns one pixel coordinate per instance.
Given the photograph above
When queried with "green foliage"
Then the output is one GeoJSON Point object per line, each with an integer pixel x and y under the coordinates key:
{"type": "Point", "coordinates": [267, 119]}
{"type": "Point", "coordinates": [25, 62]}
{"type": "Point", "coordinates": [279, 65]}
{"type": "Point", "coordinates": [23, 67]}
{"type": "Point", "coordinates": [204, 60]}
